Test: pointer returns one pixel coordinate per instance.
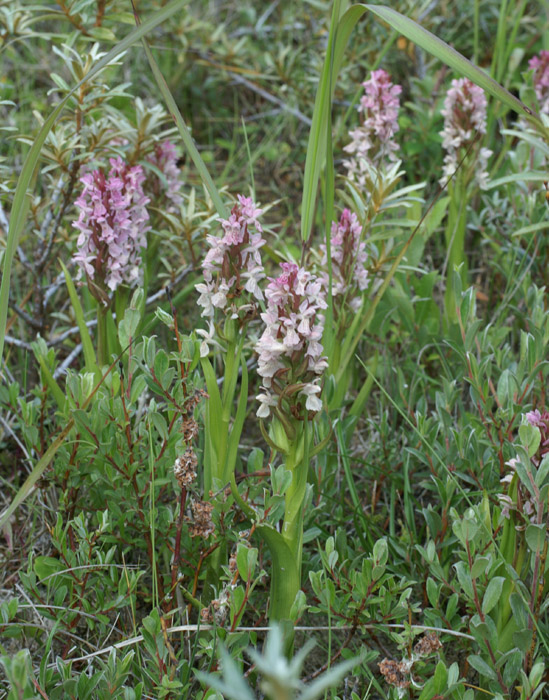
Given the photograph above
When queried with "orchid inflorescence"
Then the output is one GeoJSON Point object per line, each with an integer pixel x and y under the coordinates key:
{"type": "Point", "coordinates": [464, 116]}
{"type": "Point", "coordinates": [233, 268]}
{"type": "Point", "coordinates": [291, 363]}
{"type": "Point", "coordinates": [113, 225]}
{"type": "Point", "coordinates": [372, 143]}
{"type": "Point", "coordinates": [290, 349]}
{"type": "Point", "coordinates": [349, 257]}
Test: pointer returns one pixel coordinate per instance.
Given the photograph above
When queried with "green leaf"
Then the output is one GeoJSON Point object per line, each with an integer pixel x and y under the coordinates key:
{"type": "Point", "coordinates": [316, 147]}
{"type": "Point", "coordinates": [482, 667]}
{"type": "Point", "coordinates": [479, 566]}
{"type": "Point", "coordinates": [464, 578]}
{"type": "Point", "coordinates": [213, 424]}
{"type": "Point", "coordinates": [46, 566]}
{"type": "Point", "coordinates": [543, 472]}
{"type": "Point", "coordinates": [535, 537]}
{"type": "Point", "coordinates": [90, 361]}
{"type": "Point", "coordinates": [238, 424]}
{"type": "Point", "coordinates": [492, 594]}
{"type": "Point", "coordinates": [440, 678]}
{"type": "Point", "coordinates": [532, 228]}
{"type": "Point", "coordinates": [128, 326]}
{"type": "Point", "coordinates": [511, 668]}
{"type": "Point", "coordinates": [285, 581]}
{"type": "Point", "coordinates": [530, 438]}
{"type": "Point", "coordinates": [242, 561]}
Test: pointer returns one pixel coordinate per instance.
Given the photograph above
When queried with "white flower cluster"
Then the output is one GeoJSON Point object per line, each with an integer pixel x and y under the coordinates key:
{"type": "Point", "coordinates": [290, 349]}
{"type": "Point", "coordinates": [464, 116]}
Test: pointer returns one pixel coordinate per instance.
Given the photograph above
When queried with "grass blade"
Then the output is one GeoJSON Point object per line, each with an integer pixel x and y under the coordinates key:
{"type": "Point", "coordinates": [35, 474]}
{"type": "Point", "coordinates": [85, 338]}
{"type": "Point", "coordinates": [183, 129]}
{"type": "Point", "coordinates": [54, 387]}
{"type": "Point", "coordinates": [316, 147]}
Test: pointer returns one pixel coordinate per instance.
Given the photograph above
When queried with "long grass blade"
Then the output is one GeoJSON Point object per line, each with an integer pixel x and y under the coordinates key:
{"type": "Point", "coordinates": [35, 474]}
{"type": "Point", "coordinates": [316, 147]}
{"type": "Point", "coordinates": [183, 130]}
{"type": "Point", "coordinates": [87, 345]}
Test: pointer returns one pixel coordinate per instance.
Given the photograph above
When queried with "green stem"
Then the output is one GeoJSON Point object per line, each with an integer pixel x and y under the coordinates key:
{"type": "Point", "coordinates": [455, 242]}
{"type": "Point", "coordinates": [285, 578]}
{"type": "Point", "coordinates": [286, 546]}
{"type": "Point", "coordinates": [292, 528]}
{"type": "Point", "coordinates": [101, 334]}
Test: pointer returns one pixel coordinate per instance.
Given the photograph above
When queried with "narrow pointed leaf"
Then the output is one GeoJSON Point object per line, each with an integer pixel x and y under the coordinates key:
{"type": "Point", "coordinates": [85, 338]}
{"type": "Point", "coordinates": [35, 474]}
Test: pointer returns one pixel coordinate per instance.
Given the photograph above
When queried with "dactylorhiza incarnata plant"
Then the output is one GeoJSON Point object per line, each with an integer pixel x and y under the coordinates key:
{"type": "Point", "coordinates": [232, 270]}
{"type": "Point", "coordinates": [290, 350]}
{"type": "Point", "coordinates": [291, 366]}
{"type": "Point", "coordinates": [372, 143]}
{"type": "Point", "coordinates": [229, 296]}
{"type": "Point", "coordinates": [349, 281]}
{"type": "Point", "coordinates": [464, 118]}
{"type": "Point", "coordinates": [349, 258]}
{"type": "Point", "coordinates": [113, 225]}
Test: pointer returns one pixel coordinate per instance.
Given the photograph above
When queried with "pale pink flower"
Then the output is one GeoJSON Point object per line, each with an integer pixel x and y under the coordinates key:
{"type": "Point", "coordinates": [536, 419]}
{"type": "Point", "coordinates": [372, 142]}
{"type": "Point", "coordinates": [349, 258]}
{"type": "Point", "coordinates": [464, 117]}
{"type": "Point", "coordinates": [290, 349]}
{"type": "Point", "coordinates": [232, 266]}
{"type": "Point", "coordinates": [541, 421]}
{"type": "Point", "coordinates": [165, 158]}
{"type": "Point", "coordinates": [113, 224]}
{"type": "Point", "coordinates": [540, 66]}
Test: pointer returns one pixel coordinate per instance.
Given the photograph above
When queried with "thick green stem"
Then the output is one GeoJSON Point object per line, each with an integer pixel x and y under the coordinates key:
{"type": "Point", "coordinates": [285, 578]}
{"type": "Point", "coordinates": [292, 528]}
{"type": "Point", "coordinates": [286, 547]}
